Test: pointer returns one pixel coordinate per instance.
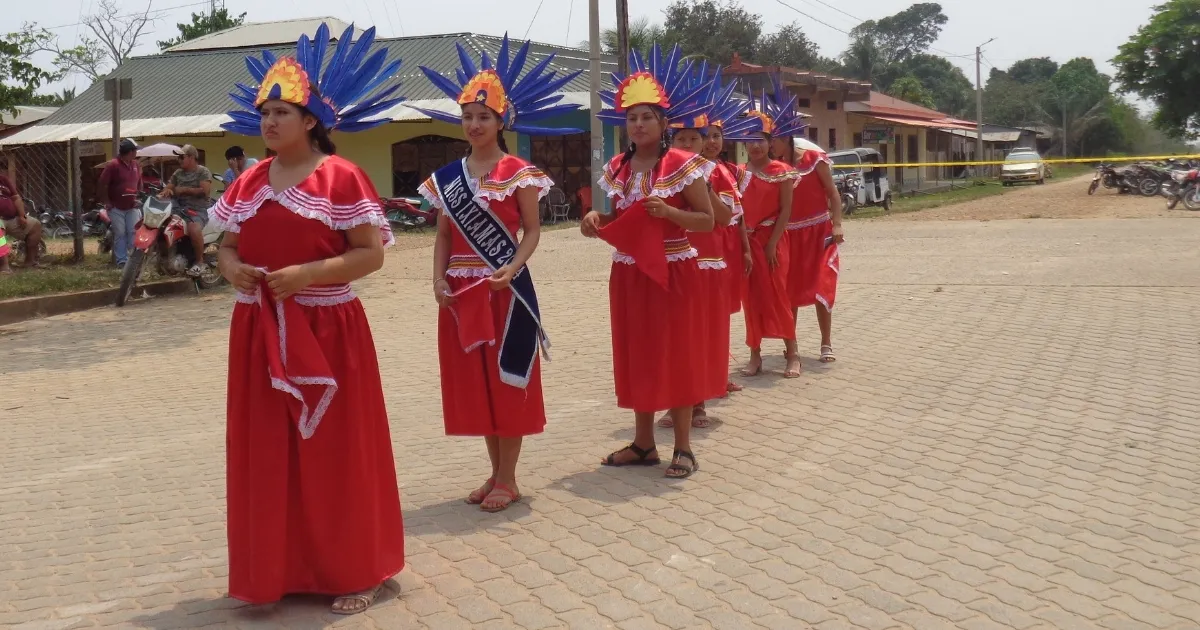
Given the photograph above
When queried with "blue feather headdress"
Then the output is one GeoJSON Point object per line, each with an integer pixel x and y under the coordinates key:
{"type": "Point", "coordinates": [780, 117]}
{"type": "Point", "coordinates": [518, 100]}
{"type": "Point", "coordinates": [664, 83]}
{"type": "Point", "coordinates": [729, 112]}
{"type": "Point", "coordinates": [341, 97]}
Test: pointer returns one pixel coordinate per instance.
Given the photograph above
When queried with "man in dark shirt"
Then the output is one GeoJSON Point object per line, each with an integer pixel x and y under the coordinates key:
{"type": "Point", "coordinates": [17, 225]}
{"type": "Point", "coordinates": [120, 182]}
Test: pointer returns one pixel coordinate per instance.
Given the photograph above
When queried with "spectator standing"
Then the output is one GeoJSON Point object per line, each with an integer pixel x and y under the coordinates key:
{"type": "Point", "coordinates": [238, 163]}
{"type": "Point", "coordinates": [120, 182]}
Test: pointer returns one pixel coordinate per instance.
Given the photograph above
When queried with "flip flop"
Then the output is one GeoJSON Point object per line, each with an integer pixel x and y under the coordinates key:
{"type": "Point", "coordinates": [506, 494]}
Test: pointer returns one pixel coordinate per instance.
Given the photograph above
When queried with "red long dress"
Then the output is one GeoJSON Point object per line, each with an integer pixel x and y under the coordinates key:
{"type": "Point", "coordinates": [766, 305]}
{"type": "Point", "coordinates": [310, 478]}
{"type": "Point", "coordinates": [710, 249]}
{"type": "Point", "coordinates": [813, 267]}
{"type": "Point", "coordinates": [655, 289]}
{"type": "Point", "coordinates": [726, 186]}
{"type": "Point", "coordinates": [475, 401]}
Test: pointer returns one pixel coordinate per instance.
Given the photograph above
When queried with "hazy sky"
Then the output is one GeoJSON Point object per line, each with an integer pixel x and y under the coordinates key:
{"type": "Point", "coordinates": [1022, 28]}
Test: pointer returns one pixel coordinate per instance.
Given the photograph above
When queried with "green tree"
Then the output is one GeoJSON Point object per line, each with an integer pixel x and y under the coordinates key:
{"type": "Point", "coordinates": [19, 77]}
{"type": "Point", "coordinates": [910, 32]}
{"type": "Point", "coordinates": [712, 29]}
{"type": "Point", "coordinates": [789, 47]}
{"type": "Point", "coordinates": [203, 24]}
{"type": "Point", "coordinates": [909, 88]}
{"type": "Point", "coordinates": [1073, 98]}
{"type": "Point", "coordinates": [642, 35]}
{"type": "Point", "coordinates": [52, 100]}
{"type": "Point", "coordinates": [1159, 63]}
{"type": "Point", "coordinates": [949, 89]}
{"type": "Point", "coordinates": [864, 60]}
{"type": "Point", "coordinates": [1033, 70]}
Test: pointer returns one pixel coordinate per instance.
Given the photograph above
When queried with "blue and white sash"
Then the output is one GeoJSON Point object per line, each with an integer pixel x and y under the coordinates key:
{"type": "Point", "coordinates": [487, 236]}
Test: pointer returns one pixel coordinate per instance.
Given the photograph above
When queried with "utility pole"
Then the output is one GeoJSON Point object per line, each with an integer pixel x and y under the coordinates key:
{"type": "Point", "coordinates": [623, 53]}
{"type": "Point", "coordinates": [597, 126]}
{"type": "Point", "coordinates": [979, 99]}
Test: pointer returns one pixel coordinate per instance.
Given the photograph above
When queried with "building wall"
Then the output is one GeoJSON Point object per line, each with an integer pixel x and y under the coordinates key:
{"type": "Point", "coordinates": [825, 119]}
{"type": "Point", "coordinates": [371, 150]}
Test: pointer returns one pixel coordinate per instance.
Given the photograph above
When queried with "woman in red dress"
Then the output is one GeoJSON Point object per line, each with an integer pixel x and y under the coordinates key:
{"type": "Point", "coordinates": [722, 252]}
{"type": "Point", "coordinates": [767, 199]}
{"type": "Point", "coordinates": [482, 393]}
{"type": "Point", "coordinates": [304, 387]}
{"type": "Point", "coordinates": [656, 286]}
{"type": "Point", "coordinates": [814, 233]}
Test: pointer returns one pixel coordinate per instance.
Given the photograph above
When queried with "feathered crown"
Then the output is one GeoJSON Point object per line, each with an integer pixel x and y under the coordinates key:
{"type": "Point", "coordinates": [780, 117]}
{"type": "Point", "coordinates": [664, 83]}
{"type": "Point", "coordinates": [519, 100]}
{"type": "Point", "coordinates": [342, 98]}
{"type": "Point", "coordinates": [727, 109]}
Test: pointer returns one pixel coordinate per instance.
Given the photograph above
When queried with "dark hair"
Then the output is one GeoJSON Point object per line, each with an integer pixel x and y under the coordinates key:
{"type": "Point", "coordinates": [320, 137]}
{"type": "Point", "coordinates": [664, 142]}
{"type": "Point", "coordinates": [234, 152]}
{"type": "Point", "coordinates": [790, 158]}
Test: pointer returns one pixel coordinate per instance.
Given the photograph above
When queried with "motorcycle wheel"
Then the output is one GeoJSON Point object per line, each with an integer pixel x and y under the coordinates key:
{"type": "Point", "coordinates": [1172, 201]}
{"type": "Point", "coordinates": [887, 202]}
{"type": "Point", "coordinates": [1149, 187]}
{"type": "Point", "coordinates": [212, 276]}
{"type": "Point", "coordinates": [1092, 187]}
{"type": "Point", "coordinates": [129, 277]}
{"type": "Point", "coordinates": [1191, 198]}
{"type": "Point", "coordinates": [848, 205]}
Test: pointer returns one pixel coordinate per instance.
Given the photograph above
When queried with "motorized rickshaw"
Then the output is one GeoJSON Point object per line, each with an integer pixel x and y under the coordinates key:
{"type": "Point", "coordinates": [873, 189]}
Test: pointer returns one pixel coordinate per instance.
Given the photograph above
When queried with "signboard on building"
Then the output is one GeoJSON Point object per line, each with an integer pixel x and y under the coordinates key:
{"type": "Point", "coordinates": [878, 134]}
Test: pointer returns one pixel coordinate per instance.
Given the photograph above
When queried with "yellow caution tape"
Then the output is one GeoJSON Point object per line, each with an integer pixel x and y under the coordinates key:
{"type": "Point", "coordinates": [1152, 158]}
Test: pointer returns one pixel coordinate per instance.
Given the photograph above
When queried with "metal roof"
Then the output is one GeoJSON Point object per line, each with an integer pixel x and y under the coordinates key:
{"type": "Point", "coordinates": [189, 86]}
{"type": "Point", "coordinates": [258, 34]}
{"type": "Point", "coordinates": [26, 114]}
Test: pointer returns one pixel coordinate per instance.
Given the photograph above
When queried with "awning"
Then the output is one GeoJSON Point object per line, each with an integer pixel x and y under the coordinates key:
{"type": "Point", "coordinates": [919, 122]}
{"type": "Point", "coordinates": [195, 125]}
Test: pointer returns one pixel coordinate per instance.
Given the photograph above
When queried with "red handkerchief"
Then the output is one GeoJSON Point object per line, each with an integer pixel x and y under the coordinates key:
{"type": "Point", "coordinates": [295, 360]}
{"type": "Point", "coordinates": [640, 235]}
{"type": "Point", "coordinates": [472, 310]}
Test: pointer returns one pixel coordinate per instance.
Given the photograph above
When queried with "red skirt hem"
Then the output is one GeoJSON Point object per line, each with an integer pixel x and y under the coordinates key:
{"type": "Point", "coordinates": [766, 307]}
{"type": "Point", "coordinates": [475, 402]}
{"type": "Point", "coordinates": [317, 591]}
{"type": "Point", "coordinates": [660, 352]}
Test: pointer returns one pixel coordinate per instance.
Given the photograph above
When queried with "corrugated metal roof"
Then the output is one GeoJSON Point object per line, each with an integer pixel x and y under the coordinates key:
{"type": "Point", "coordinates": [188, 84]}
{"type": "Point", "coordinates": [25, 114]}
{"type": "Point", "coordinates": [258, 34]}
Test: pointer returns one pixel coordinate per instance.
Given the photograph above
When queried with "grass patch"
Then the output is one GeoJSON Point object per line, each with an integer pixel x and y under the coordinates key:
{"type": "Point", "coordinates": [981, 189]}
{"type": "Point", "coordinates": [59, 274]}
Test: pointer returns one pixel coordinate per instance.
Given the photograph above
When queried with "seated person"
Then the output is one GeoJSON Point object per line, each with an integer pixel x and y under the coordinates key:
{"type": "Point", "coordinates": [190, 186]}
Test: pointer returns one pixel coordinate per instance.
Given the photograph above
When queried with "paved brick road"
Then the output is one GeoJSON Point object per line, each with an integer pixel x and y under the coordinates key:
{"type": "Point", "coordinates": [1010, 440]}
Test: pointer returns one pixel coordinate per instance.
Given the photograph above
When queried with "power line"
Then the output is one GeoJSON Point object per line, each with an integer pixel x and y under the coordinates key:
{"type": "Point", "coordinates": [842, 31]}
{"type": "Point", "coordinates": [826, 4]}
{"type": "Point", "coordinates": [154, 12]}
{"type": "Point", "coordinates": [533, 19]}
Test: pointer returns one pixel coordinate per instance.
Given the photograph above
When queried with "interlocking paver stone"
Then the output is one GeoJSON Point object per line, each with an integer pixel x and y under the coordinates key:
{"type": "Point", "coordinates": [1010, 439]}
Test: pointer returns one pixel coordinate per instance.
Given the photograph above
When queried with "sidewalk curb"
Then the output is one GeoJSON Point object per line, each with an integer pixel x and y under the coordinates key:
{"type": "Point", "coordinates": [21, 309]}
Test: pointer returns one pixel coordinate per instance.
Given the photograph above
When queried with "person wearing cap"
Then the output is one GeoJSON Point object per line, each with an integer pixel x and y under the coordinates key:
{"type": "Point", "coordinates": [238, 163]}
{"type": "Point", "coordinates": [120, 182]}
{"type": "Point", "coordinates": [190, 186]}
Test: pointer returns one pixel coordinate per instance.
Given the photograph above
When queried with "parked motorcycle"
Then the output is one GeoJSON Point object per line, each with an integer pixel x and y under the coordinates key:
{"type": "Point", "coordinates": [847, 186]}
{"type": "Point", "coordinates": [1111, 177]}
{"type": "Point", "coordinates": [403, 215]}
{"type": "Point", "coordinates": [162, 236]}
{"type": "Point", "coordinates": [1186, 188]}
